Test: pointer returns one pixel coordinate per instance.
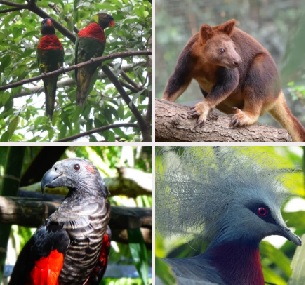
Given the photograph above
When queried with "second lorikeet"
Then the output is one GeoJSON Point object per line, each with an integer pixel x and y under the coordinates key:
{"type": "Point", "coordinates": [90, 43]}
{"type": "Point", "coordinates": [50, 57]}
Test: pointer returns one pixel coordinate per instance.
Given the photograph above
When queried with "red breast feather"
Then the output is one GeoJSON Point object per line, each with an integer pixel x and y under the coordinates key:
{"type": "Point", "coordinates": [49, 42]}
{"type": "Point", "coordinates": [93, 30]}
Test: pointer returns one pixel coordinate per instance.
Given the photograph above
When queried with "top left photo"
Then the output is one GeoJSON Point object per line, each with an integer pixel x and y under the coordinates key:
{"type": "Point", "coordinates": [75, 71]}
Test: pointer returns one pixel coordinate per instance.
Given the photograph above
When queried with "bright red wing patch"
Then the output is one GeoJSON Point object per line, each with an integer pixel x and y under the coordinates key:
{"type": "Point", "coordinates": [101, 266]}
{"type": "Point", "coordinates": [49, 42]}
{"type": "Point", "coordinates": [105, 250]}
{"type": "Point", "coordinates": [93, 30]}
{"type": "Point", "coordinates": [47, 269]}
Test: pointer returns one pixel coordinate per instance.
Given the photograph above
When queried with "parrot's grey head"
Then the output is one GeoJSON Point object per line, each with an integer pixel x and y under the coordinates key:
{"type": "Point", "coordinates": [47, 27]}
{"type": "Point", "coordinates": [77, 175]}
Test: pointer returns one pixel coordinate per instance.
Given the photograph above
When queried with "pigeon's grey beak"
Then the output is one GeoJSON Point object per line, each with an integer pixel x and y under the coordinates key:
{"type": "Point", "coordinates": [287, 233]}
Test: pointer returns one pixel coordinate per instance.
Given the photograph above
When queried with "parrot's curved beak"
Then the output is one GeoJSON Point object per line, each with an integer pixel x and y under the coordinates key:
{"type": "Point", "coordinates": [49, 22]}
{"type": "Point", "coordinates": [287, 233]}
{"type": "Point", "coordinates": [111, 23]}
{"type": "Point", "coordinates": [48, 178]}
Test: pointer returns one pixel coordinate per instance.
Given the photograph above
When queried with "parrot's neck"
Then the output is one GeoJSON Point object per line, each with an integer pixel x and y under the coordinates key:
{"type": "Point", "coordinates": [238, 263]}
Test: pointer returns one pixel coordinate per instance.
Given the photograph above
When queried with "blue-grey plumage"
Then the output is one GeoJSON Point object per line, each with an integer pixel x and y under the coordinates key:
{"type": "Point", "coordinates": [223, 197]}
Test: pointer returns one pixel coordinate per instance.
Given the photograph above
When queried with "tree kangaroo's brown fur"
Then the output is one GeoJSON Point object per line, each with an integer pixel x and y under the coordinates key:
{"type": "Point", "coordinates": [236, 74]}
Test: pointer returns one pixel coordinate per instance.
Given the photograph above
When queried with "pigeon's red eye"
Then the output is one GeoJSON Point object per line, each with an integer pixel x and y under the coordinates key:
{"type": "Point", "coordinates": [262, 211]}
{"type": "Point", "coordinates": [76, 166]}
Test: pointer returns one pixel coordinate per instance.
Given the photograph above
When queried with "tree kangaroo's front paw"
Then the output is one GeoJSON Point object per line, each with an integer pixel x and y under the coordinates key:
{"type": "Point", "coordinates": [242, 118]}
{"type": "Point", "coordinates": [201, 111]}
{"type": "Point", "coordinates": [193, 113]}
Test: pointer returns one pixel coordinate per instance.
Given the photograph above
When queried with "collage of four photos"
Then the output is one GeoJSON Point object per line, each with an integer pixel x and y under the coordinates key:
{"type": "Point", "coordinates": [152, 142]}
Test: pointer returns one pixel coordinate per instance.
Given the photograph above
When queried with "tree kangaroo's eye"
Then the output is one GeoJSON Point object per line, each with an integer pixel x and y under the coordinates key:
{"type": "Point", "coordinates": [221, 50]}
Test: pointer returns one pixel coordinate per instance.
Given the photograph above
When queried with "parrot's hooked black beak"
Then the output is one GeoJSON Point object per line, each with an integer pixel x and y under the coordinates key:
{"type": "Point", "coordinates": [48, 178]}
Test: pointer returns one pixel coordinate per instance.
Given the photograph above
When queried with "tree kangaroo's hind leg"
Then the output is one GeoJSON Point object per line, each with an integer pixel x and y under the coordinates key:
{"type": "Point", "coordinates": [280, 111]}
{"type": "Point", "coordinates": [248, 115]}
{"type": "Point", "coordinates": [259, 89]}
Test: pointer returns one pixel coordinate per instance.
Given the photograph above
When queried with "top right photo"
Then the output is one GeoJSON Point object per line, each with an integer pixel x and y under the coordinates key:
{"type": "Point", "coordinates": [230, 71]}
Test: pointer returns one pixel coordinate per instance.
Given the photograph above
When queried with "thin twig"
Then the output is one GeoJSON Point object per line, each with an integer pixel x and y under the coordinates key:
{"type": "Point", "coordinates": [35, 9]}
{"type": "Point", "coordinates": [76, 66]}
{"type": "Point", "coordinates": [130, 81]}
{"type": "Point", "coordinates": [58, 12]}
{"type": "Point", "coordinates": [130, 87]}
{"type": "Point", "coordinates": [145, 128]}
{"type": "Point", "coordinates": [98, 130]}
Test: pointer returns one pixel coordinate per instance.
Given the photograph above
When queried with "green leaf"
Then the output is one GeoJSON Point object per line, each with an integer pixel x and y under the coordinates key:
{"type": "Point", "coordinates": [12, 127]}
{"type": "Point", "coordinates": [5, 62]}
{"type": "Point", "coordinates": [163, 272]}
{"type": "Point", "coordinates": [139, 253]}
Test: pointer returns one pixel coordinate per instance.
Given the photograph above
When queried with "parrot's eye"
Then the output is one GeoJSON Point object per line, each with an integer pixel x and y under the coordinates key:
{"type": "Point", "coordinates": [76, 166]}
{"type": "Point", "coordinates": [262, 211]}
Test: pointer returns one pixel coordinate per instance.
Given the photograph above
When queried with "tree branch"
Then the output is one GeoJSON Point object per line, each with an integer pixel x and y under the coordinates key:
{"type": "Point", "coordinates": [58, 12]}
{"type": "Point", "coordinates": [35, 9]}
{"type": "Point", "coordinates": [145, 128]}
{"type": "Point", "coordinates": [32, 213]}
{"type": "Point", "coordinates": [128, 86]}
{"type": "Point", "coordinates": [76, 66]}
{"type": "Point", "coordinates": [130, 81]}
{"type": "Point", "coordinates": [172, 123]}
{"type": "Point", "coordinates": [98, 130]}
{"type": "Point", "coordinates": [64, 83]}
{"type": "Point", "coordinates": [31, 6]}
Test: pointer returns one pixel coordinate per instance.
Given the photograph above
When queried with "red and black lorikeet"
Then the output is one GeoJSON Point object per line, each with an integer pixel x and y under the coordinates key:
{"type": "Point", "coordinates": [71, 247]}
{"type": "Point", "coordinates": [89, 44]}
{"type": "Point", "coordinates": [50, 57]}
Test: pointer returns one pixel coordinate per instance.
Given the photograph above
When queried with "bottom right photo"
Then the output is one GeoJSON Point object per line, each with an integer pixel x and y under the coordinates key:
{"type": "Point", "coordinates": [230, 215]}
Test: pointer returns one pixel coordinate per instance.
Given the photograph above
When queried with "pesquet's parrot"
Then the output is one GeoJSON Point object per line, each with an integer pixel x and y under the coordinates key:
{"type": "Point", "coordinates": [50, 57]}
{"type": "Point", "coordinates": [89, 44]}
{"type": "Point", "coordinates": [73, 245]}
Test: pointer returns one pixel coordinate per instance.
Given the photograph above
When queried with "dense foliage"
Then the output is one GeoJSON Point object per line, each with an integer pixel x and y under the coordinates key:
{"type": "Point", "coordinates": [22, 109]}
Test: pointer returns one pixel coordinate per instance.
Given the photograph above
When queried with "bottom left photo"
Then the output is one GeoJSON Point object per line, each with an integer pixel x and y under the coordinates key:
{"type": "Point", "coordinates": [76, 215]}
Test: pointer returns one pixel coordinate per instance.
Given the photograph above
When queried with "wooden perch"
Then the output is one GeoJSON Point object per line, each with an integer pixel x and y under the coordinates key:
{"type": "Point", "coordinates": [33, 213]}
{"type": "Point", "coordinates": [129, 182]}
{"type": "Point", "coordinates": [173, 124]}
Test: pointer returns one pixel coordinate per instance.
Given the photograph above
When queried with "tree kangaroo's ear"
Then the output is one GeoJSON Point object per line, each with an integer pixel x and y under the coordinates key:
{"type": "Point", "coordinates": [227, 27]}
{"type": "Point", "coordinates": [206, 33]}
